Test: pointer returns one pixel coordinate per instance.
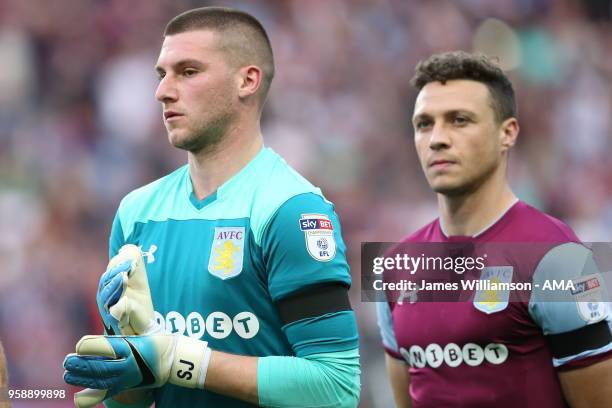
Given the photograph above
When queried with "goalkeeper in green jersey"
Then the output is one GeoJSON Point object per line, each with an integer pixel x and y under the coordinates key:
{"type": "Point", "coordinates": [231, 285]}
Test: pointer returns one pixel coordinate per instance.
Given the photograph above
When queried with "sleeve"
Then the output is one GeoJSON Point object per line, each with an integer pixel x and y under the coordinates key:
{"type": "Point", "coordinates": [308, 279]}
{"type": "Point", "coordinates": [116, 240]}
{"type": "Point", "coordinates": [320, 380]}
{"type": "Point", "coordinates": [308, 276]}
{"type": "Point", "coordinates": [387, 332]}
{"type": "Point", "coordinates": [303, 246]}
{"type": "Point", "coordinates": [574, 319]}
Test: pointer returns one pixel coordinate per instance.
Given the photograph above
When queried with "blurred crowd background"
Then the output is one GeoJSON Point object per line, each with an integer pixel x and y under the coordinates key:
{"type": "Point", "coordinates": [79, 128]}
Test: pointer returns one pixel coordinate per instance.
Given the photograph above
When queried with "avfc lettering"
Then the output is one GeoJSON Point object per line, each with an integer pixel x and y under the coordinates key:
{"type": "Point", "coordinates": [232, 234]}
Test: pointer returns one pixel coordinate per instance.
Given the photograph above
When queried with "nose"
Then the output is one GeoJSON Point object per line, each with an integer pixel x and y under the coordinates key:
{"type": "Point", "coordinates": [439, 138]}
{"type": "Point", "coordinates": [166, 90]}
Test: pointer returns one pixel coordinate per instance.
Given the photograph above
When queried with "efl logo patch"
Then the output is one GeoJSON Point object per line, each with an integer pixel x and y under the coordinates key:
{"type": "Point", "coordinates": [319, 235]}
{"type": "Point", "coordinates": [227, 252]}
{"type": "Point", "coordinates": [492, 301]}
{"type": "Point", "coordinates": [589, 298]}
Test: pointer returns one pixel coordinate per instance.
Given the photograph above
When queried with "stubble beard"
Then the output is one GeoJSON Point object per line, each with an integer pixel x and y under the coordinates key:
{"type": "Point", "coordinates": [467, 186]}
{"type": "Point", "coordinates": [207, 136]}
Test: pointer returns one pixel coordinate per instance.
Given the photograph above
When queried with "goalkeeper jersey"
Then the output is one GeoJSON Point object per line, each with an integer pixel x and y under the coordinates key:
{"type": "Point", "coordinates": [218, 266]}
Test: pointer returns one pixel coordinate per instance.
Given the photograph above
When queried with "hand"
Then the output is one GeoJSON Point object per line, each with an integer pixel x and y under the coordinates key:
{"type": "Point", "coordinates": [109, 365]}
{"type": "Point", "coordinates": [123, 297]}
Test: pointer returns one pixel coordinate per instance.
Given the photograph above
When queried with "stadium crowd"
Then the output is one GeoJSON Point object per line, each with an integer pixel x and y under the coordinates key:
{"type": "Point", "coordinates": [79, 128]}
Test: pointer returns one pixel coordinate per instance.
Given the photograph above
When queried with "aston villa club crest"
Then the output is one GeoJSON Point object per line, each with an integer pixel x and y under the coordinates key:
{"type": "Point", "coordinates": [491, 300]}
{"type": "Point", "coordinates": [319, 235]}
{"type": "Point", "coordinates": [227, 252]}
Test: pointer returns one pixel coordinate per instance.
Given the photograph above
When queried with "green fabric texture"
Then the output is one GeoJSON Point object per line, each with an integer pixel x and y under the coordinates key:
{"type": "Point", "coordinates": [326, 380]}
{"type": "Point", "coordinates": [170, 196]}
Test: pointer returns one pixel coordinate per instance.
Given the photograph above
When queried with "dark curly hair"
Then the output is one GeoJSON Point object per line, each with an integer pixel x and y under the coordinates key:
{"type": "Point", "coordinates": [476, 67]}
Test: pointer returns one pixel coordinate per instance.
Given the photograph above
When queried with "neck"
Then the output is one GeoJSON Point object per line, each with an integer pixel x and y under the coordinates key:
{"type": "Point", "coordinates": [470, 213]}
{"type": "Point", "coordinates": [210, 168]}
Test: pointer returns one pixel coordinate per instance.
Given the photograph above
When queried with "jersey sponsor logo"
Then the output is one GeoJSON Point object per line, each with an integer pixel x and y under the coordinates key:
{"type": "Point", "coordinates": [492, 301]}
{"type": "Point", "coordinates": [585, 284]}
{"type": "Point", "coordinates": [471, 354]}
{"type": "Point", "coordinates": [227, 252]}
{"type": "Point", "coordinates": [217, 324]}
{"type": "Point", "coordinates": [589, 298]}
{"type": "Point", "coordinates": [307, 224]}
{"type": "Point", "coordinates": [319, 235]}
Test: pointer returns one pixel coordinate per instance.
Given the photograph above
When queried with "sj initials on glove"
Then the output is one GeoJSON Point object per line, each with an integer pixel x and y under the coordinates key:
{"type": "Point", "coordinates": [123, 297]}
{"type": "Point", "coordinates": [109, 365]}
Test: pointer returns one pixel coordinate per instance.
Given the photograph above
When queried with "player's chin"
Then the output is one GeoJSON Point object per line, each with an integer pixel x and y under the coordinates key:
{"type": "Point", "coordinates": [447, 186]}
{"type": "Point", "coordinates": [179, 139]}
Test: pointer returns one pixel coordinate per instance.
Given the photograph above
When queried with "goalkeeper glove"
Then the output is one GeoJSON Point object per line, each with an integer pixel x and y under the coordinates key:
{"type": "Point", "coordinates": [112, 364]}
{"type": "Point", "coordinates": [123, 297]}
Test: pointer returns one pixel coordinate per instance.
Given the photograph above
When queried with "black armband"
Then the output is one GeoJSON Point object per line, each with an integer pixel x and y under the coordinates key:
{"type": "Point", "coordinates": [314, 301]}
{"type": "Point", "coordinates": [590, 337]}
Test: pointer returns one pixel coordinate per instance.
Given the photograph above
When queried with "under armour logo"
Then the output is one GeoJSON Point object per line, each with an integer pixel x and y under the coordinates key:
{"type": "Point", "coordinates": [410, 295]}
{"type": "Point", "coordinates": [149, 254]}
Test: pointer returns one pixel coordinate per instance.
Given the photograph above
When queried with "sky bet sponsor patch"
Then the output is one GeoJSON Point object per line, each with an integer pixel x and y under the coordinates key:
{"type": "Point", "coordinates": [319, 235]}
{"type": "Point", "coordinates": [589, 298]}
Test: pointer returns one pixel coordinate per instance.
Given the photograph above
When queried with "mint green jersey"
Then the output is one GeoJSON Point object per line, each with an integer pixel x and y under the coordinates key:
{"type": "Point", "coordinates": [217, 266]}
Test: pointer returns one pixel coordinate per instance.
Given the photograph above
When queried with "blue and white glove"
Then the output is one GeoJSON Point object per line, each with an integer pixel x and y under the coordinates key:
{"type": "Point", "coordinates": [124, 298]}
{"type": "Point", "coordinates": [109, 365]}
{"type": "Point", "coordinates": [124, 302]}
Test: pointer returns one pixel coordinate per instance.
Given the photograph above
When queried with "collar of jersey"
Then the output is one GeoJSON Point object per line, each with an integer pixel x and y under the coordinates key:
{"type": "Point", "coordinates": [224, 188]}
{"type": "Point", "coordinates": [461, 238]}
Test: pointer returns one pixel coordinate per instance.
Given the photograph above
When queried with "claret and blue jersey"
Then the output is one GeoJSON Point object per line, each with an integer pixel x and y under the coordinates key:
{"type": "Point", "coordinates": [218, 267]}
{"type": "Point", "coordinates": [503, 353]}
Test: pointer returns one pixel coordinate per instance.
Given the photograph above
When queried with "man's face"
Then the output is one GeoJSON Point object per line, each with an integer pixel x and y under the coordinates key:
{"type": "Point", "coordinates": [197, 90]}
{"type": "Point", "coordinates": [456, 135]}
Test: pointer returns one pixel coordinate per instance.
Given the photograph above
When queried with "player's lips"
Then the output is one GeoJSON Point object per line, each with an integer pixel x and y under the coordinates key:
{"type": "Point", "coordinates": [441, 163]}
{"type": "Point", "coordinates": [169, 115]}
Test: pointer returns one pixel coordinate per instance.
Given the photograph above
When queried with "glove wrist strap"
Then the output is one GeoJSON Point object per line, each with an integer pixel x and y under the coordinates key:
{"type": "Point", "coordinates": [190, 363]}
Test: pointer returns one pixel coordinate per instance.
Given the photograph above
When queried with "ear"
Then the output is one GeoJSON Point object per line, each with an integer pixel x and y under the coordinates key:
{"type": "Point", "coordinates": [509, 131]}
{"type": "Point", "coordinates": [249, 80]}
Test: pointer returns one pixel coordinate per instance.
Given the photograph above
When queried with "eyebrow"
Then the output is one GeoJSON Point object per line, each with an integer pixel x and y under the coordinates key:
{"type": "Point", "coordinates": [181, 63]}
{"type": "Point", "coordinates": [421, 116]}
{"type": "Point", "coordinates": [446, 114]}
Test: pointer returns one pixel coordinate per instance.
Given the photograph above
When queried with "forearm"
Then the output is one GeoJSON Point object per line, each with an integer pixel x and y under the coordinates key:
{"type": "Point", "coordinates": [233, 375]}
{"type": "Point", "coordinates": [589, 386]}
{"type": "Point", "coordinates": [325, 380]}
{"type": "Point", "coordinates": [399, 379]}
